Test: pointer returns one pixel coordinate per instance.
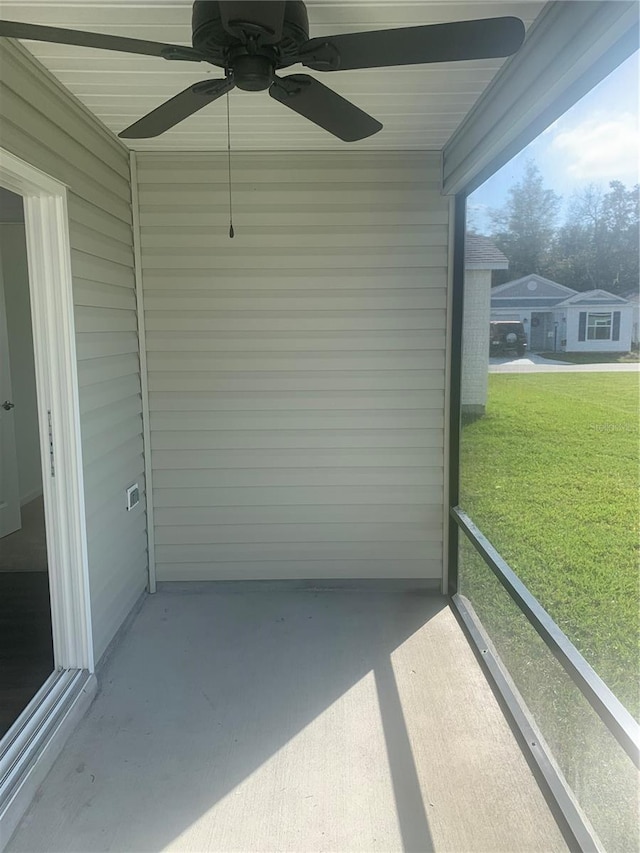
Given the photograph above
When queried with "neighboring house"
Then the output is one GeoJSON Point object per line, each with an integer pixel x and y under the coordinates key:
{"type": "Point", "coordinates": [481, 257]}
{"type": "Point", "coordinates": [559, 319]}
{"type": "Point", "coordinates": [633, 296]}
{"type": "Point", "coordinates": [597, 321]}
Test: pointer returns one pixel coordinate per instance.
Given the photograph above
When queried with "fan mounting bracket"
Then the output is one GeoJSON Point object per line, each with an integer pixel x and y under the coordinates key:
{"type": "Point", "coordinates": [245, 31]}
{"type": "Point", "coordinates": [321, 57]}
{"type": "Point", "coordinates": [292, 85]}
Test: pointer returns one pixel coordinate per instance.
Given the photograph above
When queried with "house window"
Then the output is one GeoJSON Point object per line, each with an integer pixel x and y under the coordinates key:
{"type": "Point", "coordinates": [599, 327]}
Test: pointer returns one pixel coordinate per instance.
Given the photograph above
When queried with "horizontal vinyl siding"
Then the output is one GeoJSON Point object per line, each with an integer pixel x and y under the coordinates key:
{"type": "Point", "coordinates": [42, 125]}
{"type": "Point", "coordinates": [296, 372]}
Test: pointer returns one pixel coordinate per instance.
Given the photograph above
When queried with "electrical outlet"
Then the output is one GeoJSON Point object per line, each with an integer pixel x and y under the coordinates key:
{"type": "Point", "coordinates": [133, 497]}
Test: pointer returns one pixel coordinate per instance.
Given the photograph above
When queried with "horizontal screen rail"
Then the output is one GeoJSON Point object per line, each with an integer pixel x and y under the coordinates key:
{"type": "Point", "coordinates": [611, 711]}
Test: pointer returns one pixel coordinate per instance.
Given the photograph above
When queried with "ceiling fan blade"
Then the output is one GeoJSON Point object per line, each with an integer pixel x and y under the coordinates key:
{"type": "Point", "coordinates": [324, 107]}
{"type": "Point", "coordinates": [481, 39]}
{"type": "Point", "coordinates": [264, 18]}
{"type": "Point", "coordinates": [34, 32]}
{"type": "Point", "coordinates": [178, 108]}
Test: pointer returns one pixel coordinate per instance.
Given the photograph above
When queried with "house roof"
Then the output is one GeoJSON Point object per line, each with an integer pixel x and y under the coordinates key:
{"type": "Point", "coordinates": [523, 302]}
{"type": "Point", "coordinates": [533, 286]}
{"type": "Point", "coordinates": [534, 291]}
{"type": "Point", "coordinates": [481, 254]}
{"type": "Point", "coordinates": [594, 297]}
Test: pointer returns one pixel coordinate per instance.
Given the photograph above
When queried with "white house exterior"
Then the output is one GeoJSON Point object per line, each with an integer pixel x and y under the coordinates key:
{"type": "Point", "coordinates": [597, 321]}
{"type": "Point", "coordinates": [559, 319]}
{"type": "Point", "coordinates": [634, 298]}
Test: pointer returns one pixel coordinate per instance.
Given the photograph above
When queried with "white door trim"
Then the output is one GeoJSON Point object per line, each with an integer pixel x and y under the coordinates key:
{"type": "Point", "coordinates": [50, 287]}
{"type": "Point", "coordinates": [10, 505]}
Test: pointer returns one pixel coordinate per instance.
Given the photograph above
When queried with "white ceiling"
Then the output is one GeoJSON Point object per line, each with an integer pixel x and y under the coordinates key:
{"type": "Point", "coordinates": [419, 106]}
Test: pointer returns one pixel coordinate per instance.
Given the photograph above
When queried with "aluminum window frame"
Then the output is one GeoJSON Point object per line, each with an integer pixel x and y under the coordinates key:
{"type": "Point", "coordinates": [606, 705]}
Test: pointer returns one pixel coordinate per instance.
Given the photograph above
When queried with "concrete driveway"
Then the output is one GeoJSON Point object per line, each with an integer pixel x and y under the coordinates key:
{"type": "Point", "coordinates": [533, 363]}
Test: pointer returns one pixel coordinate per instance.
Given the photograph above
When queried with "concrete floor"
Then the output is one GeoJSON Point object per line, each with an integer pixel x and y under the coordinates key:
{"type": "Point", "coordinates": [250, 719]}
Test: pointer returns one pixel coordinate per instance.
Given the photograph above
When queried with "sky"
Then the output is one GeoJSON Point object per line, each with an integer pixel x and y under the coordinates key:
{"type": "Point", "coordinates": [596, 141]}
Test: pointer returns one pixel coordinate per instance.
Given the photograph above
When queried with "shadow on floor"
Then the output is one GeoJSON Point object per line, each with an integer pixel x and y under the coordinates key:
{"type": "Point", "coordinates": [197, 698]}
{"type": "Point", "coordinates": [238, 718]}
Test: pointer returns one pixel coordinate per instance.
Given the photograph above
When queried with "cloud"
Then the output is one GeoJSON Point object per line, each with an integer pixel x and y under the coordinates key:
{"type": "Point", "coordinates": [602, 147]}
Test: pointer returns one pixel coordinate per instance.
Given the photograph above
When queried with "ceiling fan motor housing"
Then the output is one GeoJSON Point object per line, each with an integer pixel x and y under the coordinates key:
{"type": "Point", "coordinates": [252, 62]}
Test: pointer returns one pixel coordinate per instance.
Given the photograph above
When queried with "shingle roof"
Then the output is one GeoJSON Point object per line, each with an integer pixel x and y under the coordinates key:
{"type": "Point", "coordinates": [481, 254]}
{"type": "Point", "coordinates": [535, 283]}
{"type": "Point", "coordinates": [595, 297]}
{"type": "Point", "coordinates": [524, 302]}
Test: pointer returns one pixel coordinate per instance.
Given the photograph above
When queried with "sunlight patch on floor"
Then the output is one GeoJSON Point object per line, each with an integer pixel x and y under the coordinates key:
{"type": "Point", "coordinates": [299, 792]}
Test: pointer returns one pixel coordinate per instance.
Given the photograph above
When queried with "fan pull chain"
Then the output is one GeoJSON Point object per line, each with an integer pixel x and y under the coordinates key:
{"type": "Point", "coordinates": [231, 231]}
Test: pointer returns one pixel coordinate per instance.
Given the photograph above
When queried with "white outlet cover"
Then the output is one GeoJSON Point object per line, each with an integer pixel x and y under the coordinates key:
{"type": "Point", "coordinates": [133, 497]}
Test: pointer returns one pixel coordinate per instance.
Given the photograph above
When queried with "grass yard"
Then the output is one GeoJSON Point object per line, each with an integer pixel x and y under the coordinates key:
{"type": "Point", "coordinates": [551, 476]}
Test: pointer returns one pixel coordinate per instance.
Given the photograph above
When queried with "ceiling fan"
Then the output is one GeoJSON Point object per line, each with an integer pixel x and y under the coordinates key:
{"type": "Point", "coordinates": [253, 39]}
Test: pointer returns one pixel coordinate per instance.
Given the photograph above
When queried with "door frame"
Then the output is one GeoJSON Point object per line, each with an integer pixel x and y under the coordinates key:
{"type": "Point", "coordinates": [51, 291]}
{"type": "Point", "coordinates": [10, 496]}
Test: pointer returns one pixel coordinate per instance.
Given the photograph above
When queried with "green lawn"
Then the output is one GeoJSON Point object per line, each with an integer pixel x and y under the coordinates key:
{"type": "Point", "coordinates": [550, 475]}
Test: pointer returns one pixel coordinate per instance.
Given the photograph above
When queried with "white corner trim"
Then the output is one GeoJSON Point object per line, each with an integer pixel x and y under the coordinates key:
{"type": "Point", "coordinates": [144, 383]}
{"type": "Point", "coordinates": [446, 520]}
{"type": "Point", "coordinates": [51, 291]}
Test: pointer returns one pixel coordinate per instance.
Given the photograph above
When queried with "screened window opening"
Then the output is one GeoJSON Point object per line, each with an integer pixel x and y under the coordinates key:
{"type": "Point", "coordinates": [549, 440]}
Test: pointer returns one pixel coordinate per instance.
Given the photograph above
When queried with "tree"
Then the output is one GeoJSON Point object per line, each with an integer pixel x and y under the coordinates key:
{"type": "Point", "coordinates": [597, 247]}
{"type": "Point", "coordinates": [578, 253]}
{"type": "Point", "coordinates": [622, 217]}
{"type": "Point", "coordinates": [524, 228]}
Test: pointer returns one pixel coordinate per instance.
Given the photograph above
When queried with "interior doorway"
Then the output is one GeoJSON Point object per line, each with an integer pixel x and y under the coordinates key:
{"type": "Point", "coordinates": [26, 643]}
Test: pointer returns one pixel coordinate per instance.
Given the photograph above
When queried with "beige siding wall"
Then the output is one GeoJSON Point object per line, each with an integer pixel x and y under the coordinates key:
{"type": "Point", "coordinates": [40, 123]}
{"type": "Point", "coordinates": [297, 371]}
